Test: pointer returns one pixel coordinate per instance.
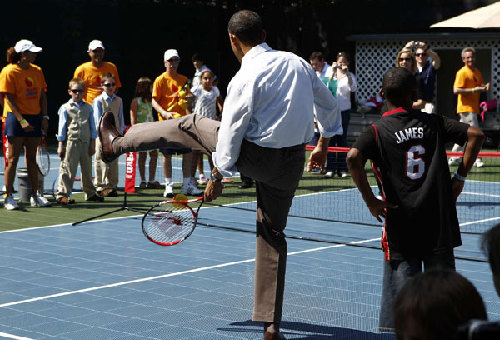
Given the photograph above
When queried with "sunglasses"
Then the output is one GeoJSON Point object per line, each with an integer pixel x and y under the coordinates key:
{"type": "Point", "coordinates": [421, 54]}
{"type": "Point", "coordinates": [109, 84]}
{"type": "Point", "coordinates": [75, 91]}
{"type": "Point", "coordinates": [405, 59]}
{"type": "Point", "coordinates": [173, 61]}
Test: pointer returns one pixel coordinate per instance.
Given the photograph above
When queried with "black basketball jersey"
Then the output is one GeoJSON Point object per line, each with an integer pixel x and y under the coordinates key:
{"type": "Point", "coordinates": [408, 154]}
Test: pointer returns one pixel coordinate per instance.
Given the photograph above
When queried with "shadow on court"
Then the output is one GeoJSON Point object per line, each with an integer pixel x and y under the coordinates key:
{"type": "Point", "coordinates": [307, 331]}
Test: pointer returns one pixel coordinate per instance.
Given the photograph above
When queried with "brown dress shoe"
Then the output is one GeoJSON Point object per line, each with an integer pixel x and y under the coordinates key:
{"type": "Point", "coordinates": [108, 132]}
{"type": "Point", "coordinates": [273, 336]}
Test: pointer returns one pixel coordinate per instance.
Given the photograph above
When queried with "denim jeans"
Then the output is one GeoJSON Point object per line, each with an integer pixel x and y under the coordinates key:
{"type": "Point", "coordinates": [398, 272]}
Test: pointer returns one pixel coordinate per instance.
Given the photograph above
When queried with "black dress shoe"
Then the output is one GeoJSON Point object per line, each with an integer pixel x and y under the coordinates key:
{"type": "Point", "coordinates": [273, 336]}
{"type": "Point", "coordinates": [245, 185]}
{"type": "Point", "coordinates": [108, 132]}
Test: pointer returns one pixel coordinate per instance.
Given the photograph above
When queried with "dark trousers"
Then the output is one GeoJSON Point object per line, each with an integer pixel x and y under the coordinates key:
{"type": "Point", "coordinates": [336, 160]}
{"type": "Point", "coordinates": [276, 173]}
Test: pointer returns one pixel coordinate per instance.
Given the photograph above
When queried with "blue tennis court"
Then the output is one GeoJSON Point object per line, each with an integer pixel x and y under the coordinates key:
{"type": "Point", "coordinates": [104, 280]}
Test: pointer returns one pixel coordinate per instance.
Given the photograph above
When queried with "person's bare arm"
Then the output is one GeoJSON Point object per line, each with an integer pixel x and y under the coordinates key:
{"type": "Point", "coordinates": [475, 138]}
{"type": "Point", "coordinates": [161, 111]}
{"type": "Point", "coordinates": [9, 98]}
{"type": "Point", "coordinates": [357, 169]}
{"type": "Point", "coordinates": [317, 159]}
{"type": "Point", "coordinates": [134, 106]}
{"type": "Point", "coordinates": [418, 104]}
{"type": "Point", "coordinates": [465, 90]}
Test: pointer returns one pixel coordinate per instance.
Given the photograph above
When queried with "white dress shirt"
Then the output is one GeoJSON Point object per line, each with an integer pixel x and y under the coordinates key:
{"type": "Point", "coordinates": [271, 102]}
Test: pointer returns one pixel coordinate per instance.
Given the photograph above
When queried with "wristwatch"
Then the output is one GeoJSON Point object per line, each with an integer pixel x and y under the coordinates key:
{"type": "Point", "coordinates": [216, 176]}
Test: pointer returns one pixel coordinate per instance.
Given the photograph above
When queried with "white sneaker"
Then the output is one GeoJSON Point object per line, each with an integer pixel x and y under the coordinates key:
{"type": "Point", "coordinates": [478, 163]}
{"type": "Point", "coordinates": [329, 174]}
{"type": "Point", "coordinates": [343, 174]}
{"type": "Point", "coordinates": [202, 179]}
{"type": "Point", "coordinates": [169, 190]}
{"type": "Point", "coordinates": [453, 161]}
{"type": "Point", "coordinates": [10, 203]}
{"type": "Point", "coordinates": [189, 189]}
{"type": "Point", "coordinates": [39, 201]}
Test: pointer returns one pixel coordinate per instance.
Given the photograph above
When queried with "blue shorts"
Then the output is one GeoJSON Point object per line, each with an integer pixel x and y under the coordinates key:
{"type": "Point", "coordinates": [14, 129]}
{"type": "Point", "coordinates": [170, 151]}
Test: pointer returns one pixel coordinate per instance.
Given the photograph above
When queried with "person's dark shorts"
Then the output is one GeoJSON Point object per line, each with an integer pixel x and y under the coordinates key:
{"type": "Point", "coordinates": [14, 129]}
{"type": "Point", "coordinates": [169, 151]}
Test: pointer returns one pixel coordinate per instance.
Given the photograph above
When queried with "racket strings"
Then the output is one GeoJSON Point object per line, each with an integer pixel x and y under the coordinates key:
{"type": "Point", "coordinates": [167, 224]}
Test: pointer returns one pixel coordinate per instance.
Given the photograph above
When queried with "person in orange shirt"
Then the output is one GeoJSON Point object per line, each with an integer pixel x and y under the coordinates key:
{"type": "Point", "coordinates": [171, 99]}
{"type": "Point", "coordinates": [468, 85]}
{"type": "Point", "coordinates": [92, 71]}
{"type": "Point", "coordinates": [23, 86]}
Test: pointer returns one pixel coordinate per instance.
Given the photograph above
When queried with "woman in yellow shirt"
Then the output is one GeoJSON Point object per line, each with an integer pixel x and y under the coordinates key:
{"type": "Point", "coordinates": [23, 86]}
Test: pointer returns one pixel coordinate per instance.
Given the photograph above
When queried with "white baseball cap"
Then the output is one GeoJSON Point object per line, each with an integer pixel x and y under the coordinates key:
{"type": "Point", "coordinates": [169, 54]}
{"type": "Point", "coordinates": [95, 44]}
{"type": "Point", "coordinates": [26, 45]}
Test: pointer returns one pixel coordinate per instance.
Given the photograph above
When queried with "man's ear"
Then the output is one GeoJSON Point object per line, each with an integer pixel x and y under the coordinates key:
{"type": "Point", "coordinates": [233, 39]}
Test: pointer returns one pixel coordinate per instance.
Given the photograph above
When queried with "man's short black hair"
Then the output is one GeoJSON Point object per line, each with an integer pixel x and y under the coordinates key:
{"type": "Point", "coordinates": [397, 84]}
{"type": "Point", "coordinates": [197, 57]}
{"type": "Point", "coordinates": [247, 27]}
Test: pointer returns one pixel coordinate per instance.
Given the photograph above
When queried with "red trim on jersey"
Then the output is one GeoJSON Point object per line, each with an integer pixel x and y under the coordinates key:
{"type": "Point", "coordinates": [376, 133]}
{"type": "Point", "coordinates": [399, 109]}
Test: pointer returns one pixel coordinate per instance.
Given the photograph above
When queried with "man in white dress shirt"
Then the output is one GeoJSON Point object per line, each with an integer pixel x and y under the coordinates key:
{"type": "Point", "coordinates": [267, 119]}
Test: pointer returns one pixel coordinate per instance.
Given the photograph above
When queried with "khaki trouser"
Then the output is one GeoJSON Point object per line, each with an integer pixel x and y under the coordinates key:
{"type": "Point", "coordinates": [106, 174]}
{"type": "Point", "coordinates": [276, 172]}
{"type": "Point", "coordinates": [77, 152]}
{"type": "Point", "coordinates": [467, 118]}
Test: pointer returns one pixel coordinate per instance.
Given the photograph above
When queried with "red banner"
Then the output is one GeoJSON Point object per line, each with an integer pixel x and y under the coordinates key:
{"type": "Point", "coordinates": [130, 169]}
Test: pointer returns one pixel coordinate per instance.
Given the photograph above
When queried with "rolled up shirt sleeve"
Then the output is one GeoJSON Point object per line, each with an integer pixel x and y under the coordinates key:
{"type": "Point", "coordinates": [234, 124]}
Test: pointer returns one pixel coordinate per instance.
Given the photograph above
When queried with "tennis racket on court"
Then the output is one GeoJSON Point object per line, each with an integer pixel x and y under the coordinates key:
{"type": "Point", "coordinates": [171, 222]}
{"type": "Point", "coordinates": [43, 157]}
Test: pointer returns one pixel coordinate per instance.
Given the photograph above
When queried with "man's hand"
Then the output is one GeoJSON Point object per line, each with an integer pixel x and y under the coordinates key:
{"type": "Point", "coordinates": [456, 188]}
{"type": "Point", "coordinates": [317, 159]}
{"type": "Point", "coordinates": [378, 208]}
{"type": "Point", "coordinates": [61, 151]}
{"type": "Point", "coordinates": [213, 190]}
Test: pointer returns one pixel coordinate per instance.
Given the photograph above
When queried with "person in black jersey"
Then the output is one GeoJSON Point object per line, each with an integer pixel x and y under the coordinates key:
{"type": "Point", "coordinates": [407, 150]}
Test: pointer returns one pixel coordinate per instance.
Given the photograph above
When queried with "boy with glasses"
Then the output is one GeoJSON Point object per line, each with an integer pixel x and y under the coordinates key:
{"type": "Point", "coordinates": [106, 174]}
{"type": "Point", "coordinates": [171, 97]}
{"type": "Point", "coordinates": [76, 135]}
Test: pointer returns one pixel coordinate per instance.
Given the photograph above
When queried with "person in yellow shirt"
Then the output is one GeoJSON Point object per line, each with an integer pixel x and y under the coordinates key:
{"type": "Point", "coordinates": [171, 98]}
{"type": "Point", "coordinates": [468, 85]}
{"type": "Point", "coordinates": [92, 71]}
{"type": "Point", "coordinates": [23, 86]}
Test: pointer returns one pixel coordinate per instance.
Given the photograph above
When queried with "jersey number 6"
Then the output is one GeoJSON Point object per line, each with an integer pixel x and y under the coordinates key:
{"type": "Point", "coordinates": [415, 165]}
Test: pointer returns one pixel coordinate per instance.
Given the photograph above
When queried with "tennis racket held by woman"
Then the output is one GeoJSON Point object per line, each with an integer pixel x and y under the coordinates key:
{"type": "Point", "coordinates": [171, 222]}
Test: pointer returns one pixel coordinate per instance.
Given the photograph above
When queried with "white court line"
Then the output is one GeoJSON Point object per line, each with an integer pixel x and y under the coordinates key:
{"type": "Point", "coordinates": [479, 194]}
{"type": "Point", "coordinates": [195, 270]}
{"type": "Point", "coordinates": [480, 221]}
{"type": "Point", "coordinates": [11, 336]}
